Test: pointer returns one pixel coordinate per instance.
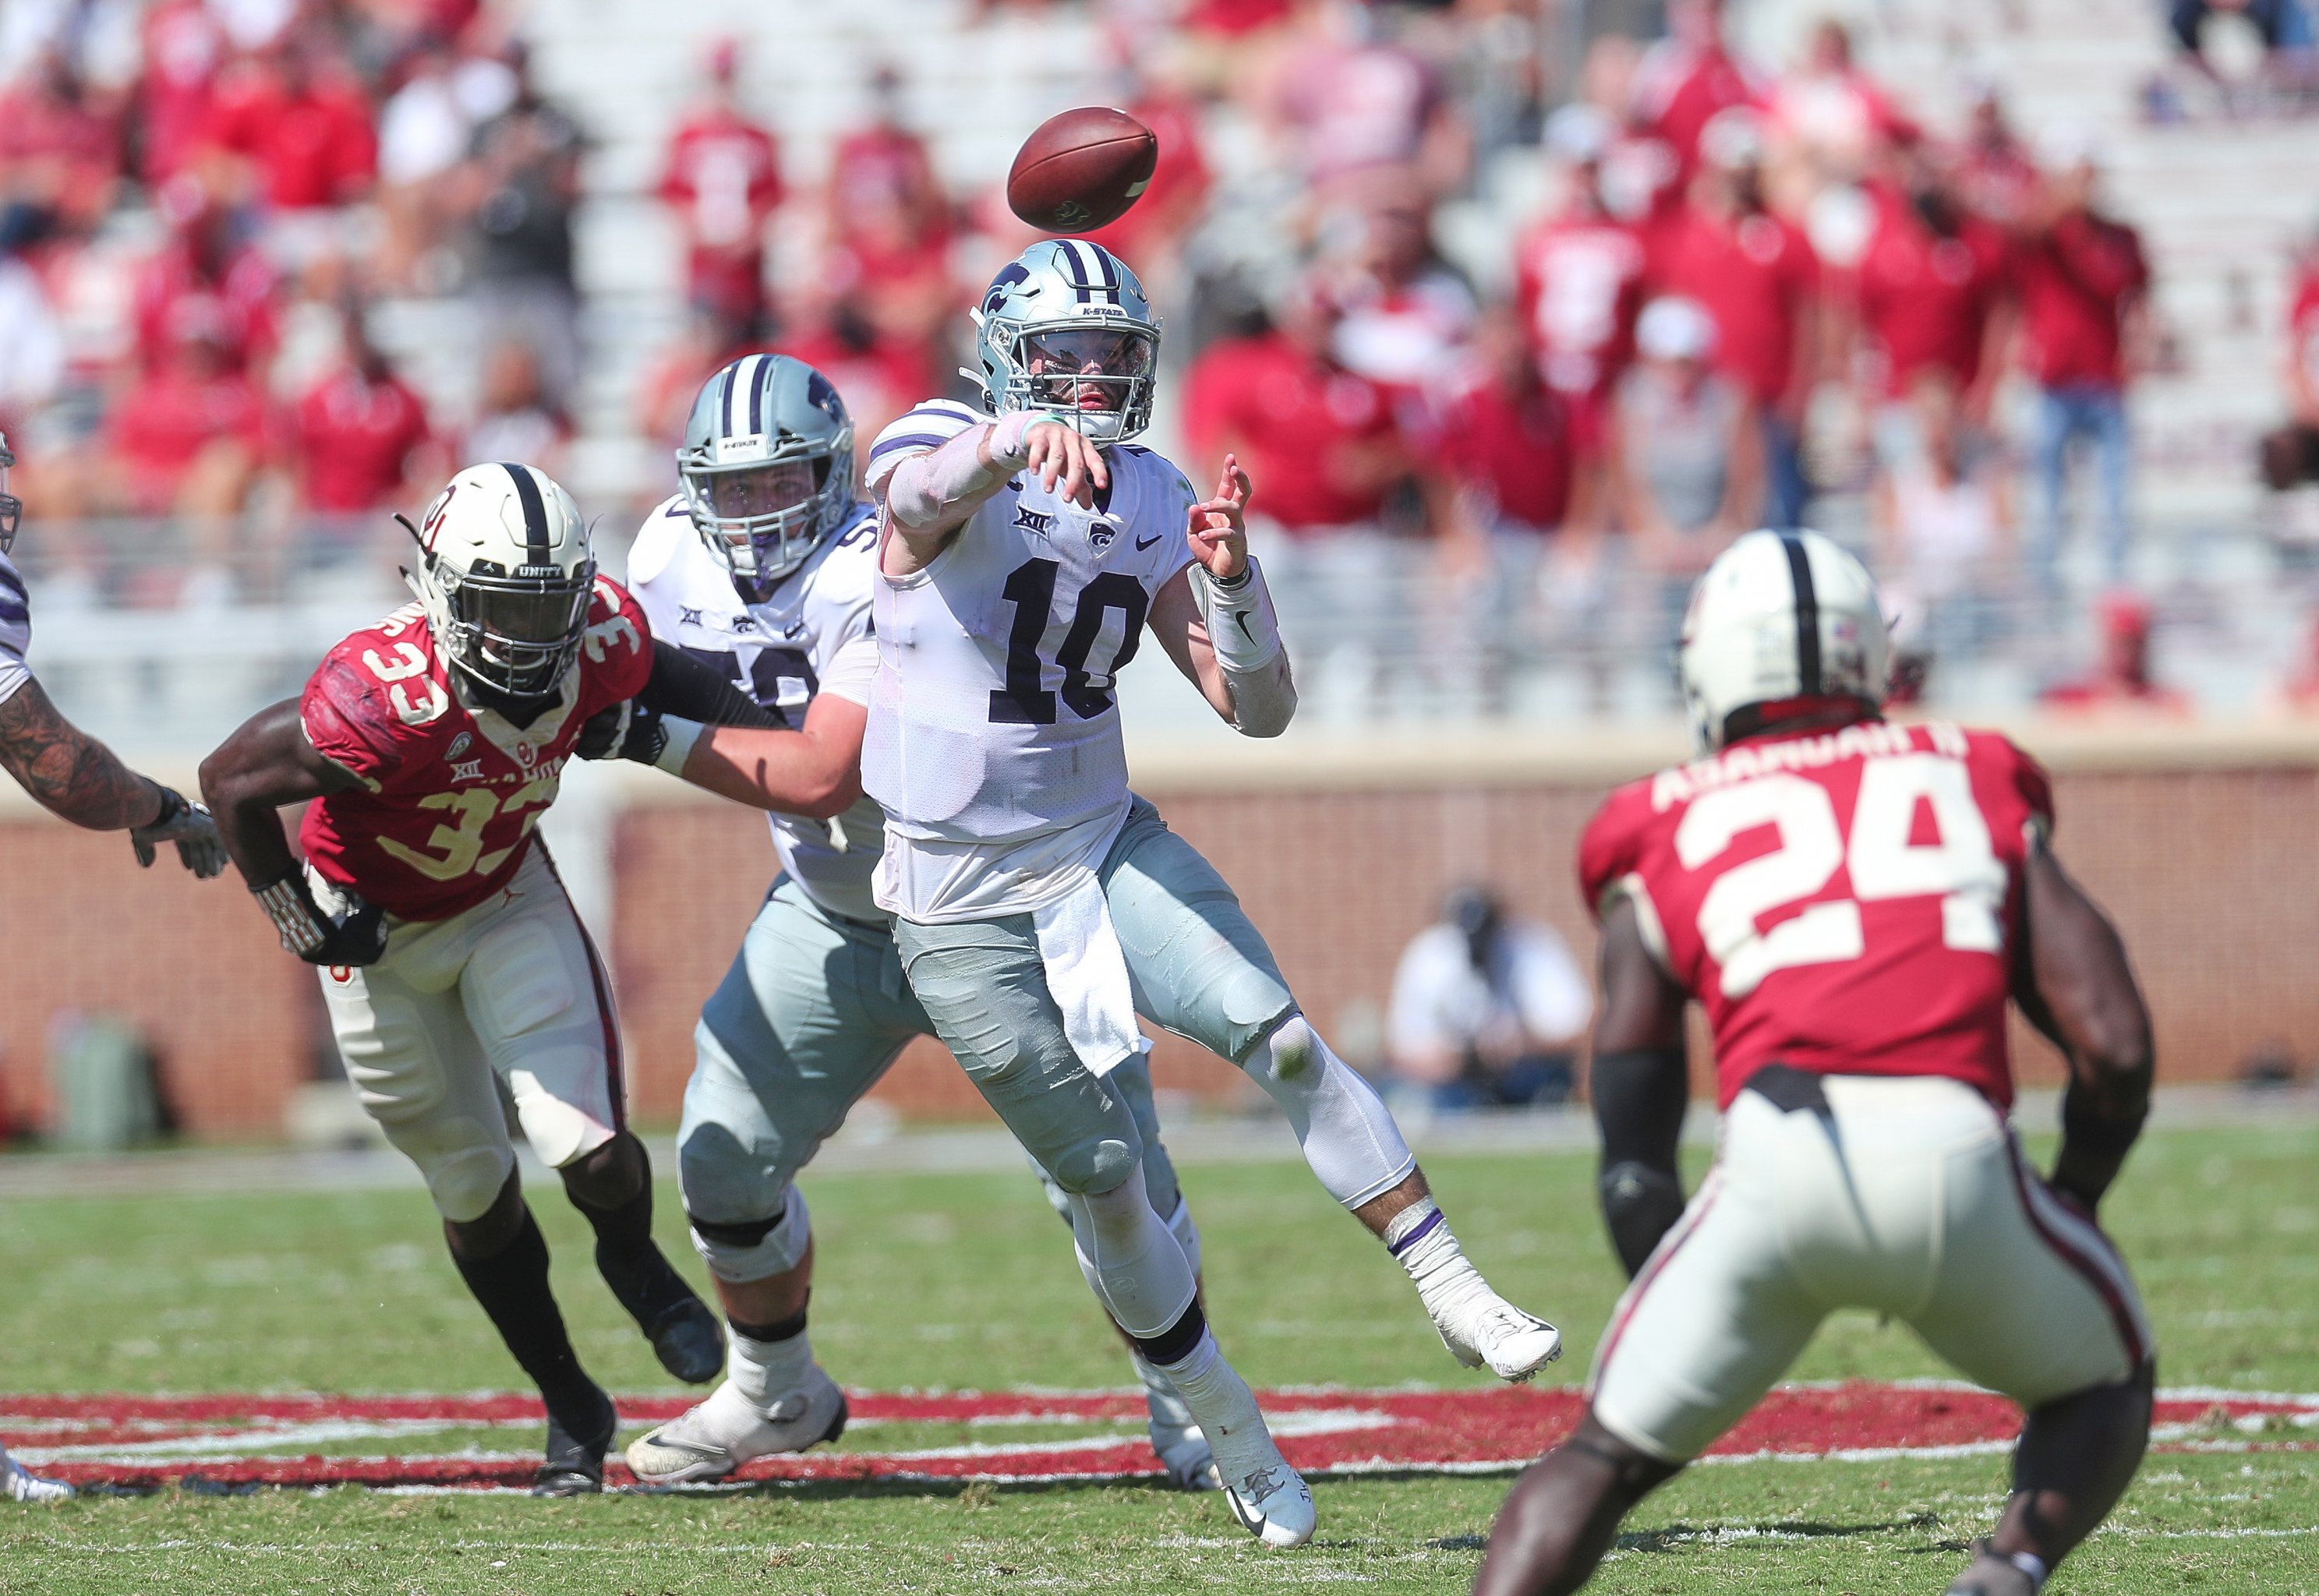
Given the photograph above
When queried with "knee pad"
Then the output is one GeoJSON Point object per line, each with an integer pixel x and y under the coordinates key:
{"type": "Point", "coordinates": [1180, 1225]}
{"type": "Point", "coordinates": [1349, 1137]}
{"type": "Point", "coordinates": [1135, 1266]}
{"type": "Point", "coordinates": [464, 1184]}
{"type": "Point", "coordinates": [742, 1251]}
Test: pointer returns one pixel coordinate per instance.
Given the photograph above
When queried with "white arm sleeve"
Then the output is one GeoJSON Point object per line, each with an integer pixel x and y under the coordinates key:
{"type": "Point", "coordinates": [1244, 630]}
{"type": "Point", "coordinates": [925, 486]}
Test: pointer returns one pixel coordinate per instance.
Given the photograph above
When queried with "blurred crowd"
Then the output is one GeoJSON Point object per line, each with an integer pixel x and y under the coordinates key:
{"type": "Point", "coordinates": [1746, 287]}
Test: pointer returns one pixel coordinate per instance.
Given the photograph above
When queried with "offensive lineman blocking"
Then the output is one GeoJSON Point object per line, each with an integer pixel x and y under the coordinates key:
{"type": "Point", "coordinates": [1039, 903]}
{"type": "Point", "coordinates": [1852, 902]}
{"type": "Point", "coordinates": [72, 775]}
{"type": "Point", "coordinates": [763, 566]}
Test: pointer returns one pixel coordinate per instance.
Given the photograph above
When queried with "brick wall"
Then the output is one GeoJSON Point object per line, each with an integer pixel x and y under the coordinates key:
{"type": "Point", "coordinates": [2208, 870]}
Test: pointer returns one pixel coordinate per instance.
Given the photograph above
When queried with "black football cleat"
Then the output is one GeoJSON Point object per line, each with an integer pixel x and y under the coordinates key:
{"type": "Point", "coordinates": [577, 1441]}
{"type": "Point", "coordinates": [689, 1341]}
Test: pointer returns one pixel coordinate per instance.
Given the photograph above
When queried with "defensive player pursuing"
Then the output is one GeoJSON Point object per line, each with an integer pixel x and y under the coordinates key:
{"type": "Point", "coordinates": [72, 775]}
{"type": "Point", "coordinates": [458, 976]}
{"type": "Point", "coordinates": [763, 564]}
{"type": "Point", "coordinates": [1039, 903]}
{"type": "Point", "coordinates": [1852, 902]}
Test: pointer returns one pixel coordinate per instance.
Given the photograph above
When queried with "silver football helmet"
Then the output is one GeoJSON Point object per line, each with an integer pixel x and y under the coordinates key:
{"type": "Point", "coordinates": [1065, 327]}
{"type": "Point", "coordinates": [505, 571]}
{"type": "Point", "coordinates": [767, 466]}
{"type": "Point", "coordinates": [12, 509]}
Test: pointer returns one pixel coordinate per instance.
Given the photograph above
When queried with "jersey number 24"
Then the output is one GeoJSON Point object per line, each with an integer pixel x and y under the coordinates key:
{"type": "Point", "coordinates": [1961, 869]}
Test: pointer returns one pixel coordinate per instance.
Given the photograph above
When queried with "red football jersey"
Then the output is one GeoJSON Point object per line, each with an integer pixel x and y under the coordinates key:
{"type": "Point", "coordinates": [449, 794]}
{"type": "Point", "coordinates": [1842, 902]}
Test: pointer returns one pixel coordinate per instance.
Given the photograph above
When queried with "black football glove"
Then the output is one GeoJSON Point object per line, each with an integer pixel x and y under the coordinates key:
{"type": "Point", "coordinates": [356, 937]}
{"type": "Point", "coordinates": [626, 730]}
{"type": "Point", "coordinates": [189, 826]}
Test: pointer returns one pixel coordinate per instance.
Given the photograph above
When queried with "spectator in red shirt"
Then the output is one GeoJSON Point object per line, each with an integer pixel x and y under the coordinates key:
{"type": "Point", "coordinates": [1828, 110]}
{"type": "Point", "coordinates": [2290, 455]}
{"type": "Point", "coordinates": [1404, 312]}
{"type": "Point", "coordinates": [189, 434]}
{"type": "Point", "coordinates": [878, 379]}
{"type": "Point", "coordinates": [888, 223]}
{"type": "Point", "coordinates": [1325, 451]}
{"type": "Point", "coordinates": [2083, 283]}
{"type": "Point", "coordinates": [2122, 680]}
{"type": "Point", "coordinates": [1578, 274]}
{"type": "Point", "coordinates": [1758, 279]}
{"type": "Point", "coordinates": [293, 125]}
{"type": "Point", "coordinates": [1510, 462]}
{"type": "Point", "coordinates": [185, 45]}
{"type": "Point", "coordinates": [1689, 79]}
{"type": "Point", "coordinates": [358, 440]}
{"type": "Point", "coordinates": [208, 275]}
{"type": "Point", "coordinates": [1151, 234]}
{"type": "Point", "coordinates": [1348, 104]}
{"type": "Point", "coordinates": [1934, 294]}
{"type": "Point", "coordinates": [723, 181]}
{"type": "Point", "coordinates": [60, 152]}
{"type": "Point", "coordinates": [1995, 173]}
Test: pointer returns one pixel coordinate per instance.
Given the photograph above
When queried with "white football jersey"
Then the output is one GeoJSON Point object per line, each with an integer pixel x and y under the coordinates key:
{"type": "Point", "coordinates": [16, 631]}
{"type": "Point", "coordinates": [993, 740]}
{"type": "Point", "coordinates": [811, 637]}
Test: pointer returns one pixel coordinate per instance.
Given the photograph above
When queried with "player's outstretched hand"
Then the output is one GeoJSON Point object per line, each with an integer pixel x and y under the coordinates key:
{"type": "Point", "coordinates": [1219, 526]}
{"type": "Point", "coordinates": [355, 936]}
{"type": "Point", "coordinates": [188, 826]}
{"type": "Point", "coordinates": [1060, 452]}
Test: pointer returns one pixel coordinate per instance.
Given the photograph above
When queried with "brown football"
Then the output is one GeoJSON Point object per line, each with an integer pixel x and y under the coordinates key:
{"type": "Point", "coordinates": [1081, 169]}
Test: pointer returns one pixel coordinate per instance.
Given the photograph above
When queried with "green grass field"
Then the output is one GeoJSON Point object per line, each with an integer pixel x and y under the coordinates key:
{"type": "Point", "coordinates": [966, 1282]}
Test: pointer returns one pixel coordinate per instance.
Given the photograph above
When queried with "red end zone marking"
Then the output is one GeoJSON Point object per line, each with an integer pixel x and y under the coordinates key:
{"type": "Point", "coordinates": [145, 1441]}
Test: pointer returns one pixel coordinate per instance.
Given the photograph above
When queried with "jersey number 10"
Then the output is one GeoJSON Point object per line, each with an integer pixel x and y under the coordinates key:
{"type": "Point", "coordinates": [1025, 700]}
{"type": "Point", "coordinates": [1961, 869]}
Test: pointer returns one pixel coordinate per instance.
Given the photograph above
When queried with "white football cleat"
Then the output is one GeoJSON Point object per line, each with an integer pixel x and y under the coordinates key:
{"type": "Point", "coordinates": [1272, 1502]}
{"type": "Point", "coordinates": [23, 1485]}
{"type": "Point", "coordinates": [714, 1436]}
{"type": "Point", "coordinates": [1484, 1328]}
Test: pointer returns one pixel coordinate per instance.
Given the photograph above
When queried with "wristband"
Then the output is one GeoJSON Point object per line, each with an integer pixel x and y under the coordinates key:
{"type": "Point", "coordinates": [295, 919]}
{"type": "Point", "coordinates": [679, 737]}
{"type": "Point", "coordinates": [173, 805]}
{"type": "Point", "coordinates": [2085, 1128]}
{"type": "Point", "coordinates": [1008, 433]}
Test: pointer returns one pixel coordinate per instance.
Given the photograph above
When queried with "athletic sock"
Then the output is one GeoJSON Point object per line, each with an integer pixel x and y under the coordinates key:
{"type": "Point", "coordinates": [511, 1285]}
{"type": "Point", "coordinates": [766, 1362]}
{"type": "Point", "coordinates": [631, 1262]}
{"type": "Point", "coordinates": [1420, 1238]}
{"type": "Point", "coordinates": [1219, 1398]}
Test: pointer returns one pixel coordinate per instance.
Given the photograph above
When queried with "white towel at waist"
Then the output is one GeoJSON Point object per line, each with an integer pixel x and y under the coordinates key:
{"type": "Point", "coordinates": [1086, 975]}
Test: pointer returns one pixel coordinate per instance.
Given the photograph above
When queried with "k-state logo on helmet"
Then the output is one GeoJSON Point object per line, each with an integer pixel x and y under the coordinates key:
{"type": "Point", "coordinates": [1014, 272]}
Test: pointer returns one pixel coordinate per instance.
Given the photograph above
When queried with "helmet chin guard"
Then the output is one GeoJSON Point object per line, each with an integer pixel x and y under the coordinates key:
{"type": "Point", "coordinates": [1782, 622]}
{"type": "Point", "coordinates": [1065, 327]}
{"type": "Point", "coordinates": [505, 572]}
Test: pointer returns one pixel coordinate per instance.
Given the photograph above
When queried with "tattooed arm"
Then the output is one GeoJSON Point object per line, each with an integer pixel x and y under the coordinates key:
{"type": "Point", "coordinates": [69, 772]}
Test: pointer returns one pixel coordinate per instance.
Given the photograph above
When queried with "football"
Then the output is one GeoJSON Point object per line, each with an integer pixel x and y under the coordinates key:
{"type": "Point", "coordinates": [1081, 169]}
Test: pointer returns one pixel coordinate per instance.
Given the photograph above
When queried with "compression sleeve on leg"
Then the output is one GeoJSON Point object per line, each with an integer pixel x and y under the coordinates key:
{"type": "Point", "coordinates": [1133, 1263]}
{"type": "Point", "coordinates": [927, 486]}
{"type": "Point", "coordinates": [1349, 1137]}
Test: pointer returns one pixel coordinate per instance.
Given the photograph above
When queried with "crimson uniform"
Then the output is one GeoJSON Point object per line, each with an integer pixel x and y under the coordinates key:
{"type": "Point", "coordinates": [1844, 906]}
{"type": "Point", "coordinates": [488, 973]}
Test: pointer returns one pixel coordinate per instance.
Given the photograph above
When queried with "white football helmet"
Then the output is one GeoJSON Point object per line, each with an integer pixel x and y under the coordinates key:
{"type": "Point", "coordinates": [1065, 327]}
{"type": "Point", "coordinates": [1779, 617]}
{"type": "Point", "coordinates": [504, 572]}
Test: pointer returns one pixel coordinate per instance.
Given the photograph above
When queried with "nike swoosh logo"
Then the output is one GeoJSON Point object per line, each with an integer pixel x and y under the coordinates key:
{"type": "Point", "coordinates": [1241, 617]}
{"type": "Point", "coordinates": [1143, 543]}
